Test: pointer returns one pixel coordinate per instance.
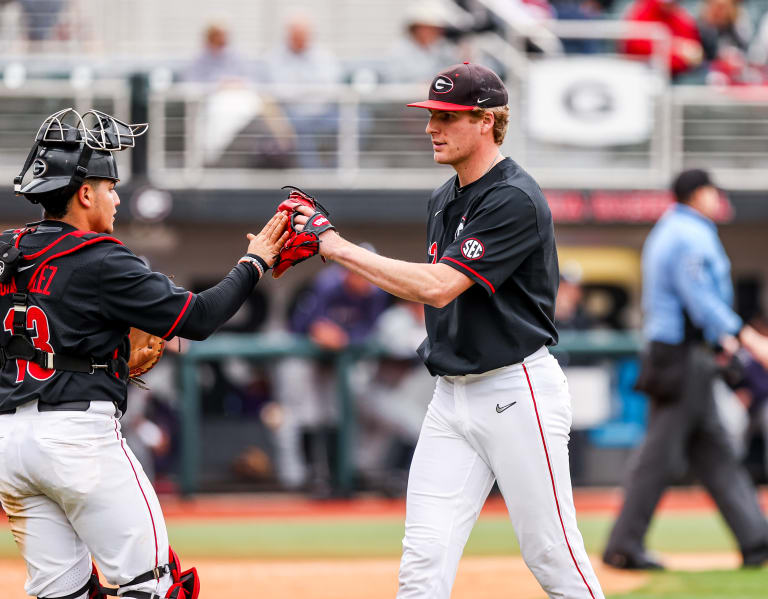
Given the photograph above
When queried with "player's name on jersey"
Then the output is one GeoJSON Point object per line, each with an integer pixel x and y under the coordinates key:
{"type": "Point", "coordinates": [40, 284]}
{"type": "Point", "coordinates": [7, 288]}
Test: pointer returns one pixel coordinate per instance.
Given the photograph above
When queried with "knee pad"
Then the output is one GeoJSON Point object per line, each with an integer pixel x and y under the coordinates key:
{"type": "Point", "coordinates": [184, 585]}
{"type": "Point", "coordinates": [92, 587]}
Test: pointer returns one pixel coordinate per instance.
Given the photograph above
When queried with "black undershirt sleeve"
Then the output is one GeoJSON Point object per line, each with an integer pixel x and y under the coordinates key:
{"type": "Point", "coordinates": [215, 306]}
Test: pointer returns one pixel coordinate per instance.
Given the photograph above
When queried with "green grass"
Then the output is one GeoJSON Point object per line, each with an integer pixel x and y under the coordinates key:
{"type": "Point", "coordinates": [342, 538]}
{"type": "Point", "coordinates": [725, 584]}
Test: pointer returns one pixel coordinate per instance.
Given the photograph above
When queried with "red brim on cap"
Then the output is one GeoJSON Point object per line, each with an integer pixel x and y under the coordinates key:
{"type": "Point", "coordinates": [437, 105]}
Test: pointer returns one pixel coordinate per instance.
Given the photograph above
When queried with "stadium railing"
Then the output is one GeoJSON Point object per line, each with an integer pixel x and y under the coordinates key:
{"type": "Point", "coordinates": [23, 107]}
{"type": "Point", "coordinates": [361, 135]}
{"type": "Point", "coordinates": [613, 345]}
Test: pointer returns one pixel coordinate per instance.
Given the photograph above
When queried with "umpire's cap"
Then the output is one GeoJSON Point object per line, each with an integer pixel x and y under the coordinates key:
{"type": "Point", "coordinates": [465, 87]}
{"type": "Point", "coordinates": [688, 182]}
{"type": "Point", "coordinates": [70, 148]}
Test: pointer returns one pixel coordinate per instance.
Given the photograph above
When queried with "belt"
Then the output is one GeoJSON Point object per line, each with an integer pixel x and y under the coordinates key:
{"type": "Point", "coordinates": [66, 406]}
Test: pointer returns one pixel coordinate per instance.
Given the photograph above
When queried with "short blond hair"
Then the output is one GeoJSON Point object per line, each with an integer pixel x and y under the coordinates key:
{"type": "Point", "coordinates": [500, 120]}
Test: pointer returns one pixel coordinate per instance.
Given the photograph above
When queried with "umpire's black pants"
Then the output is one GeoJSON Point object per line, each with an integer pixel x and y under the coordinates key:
{"type": "Point", "coordinates": [687, 434]}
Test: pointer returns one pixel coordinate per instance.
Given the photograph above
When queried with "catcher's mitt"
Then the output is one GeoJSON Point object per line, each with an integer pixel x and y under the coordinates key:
{"type": "Point", "coordinates": [146, 350]}
{"type": "Point", "coordinates": [304, 244]}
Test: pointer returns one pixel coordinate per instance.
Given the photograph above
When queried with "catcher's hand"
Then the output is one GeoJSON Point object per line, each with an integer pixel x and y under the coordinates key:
{"type": "Point", "coordinates": [305, 243]}
{"type": "Point", "coordinates": [146, 350]}
{"type": "Point", "coordinates": [270, 240]}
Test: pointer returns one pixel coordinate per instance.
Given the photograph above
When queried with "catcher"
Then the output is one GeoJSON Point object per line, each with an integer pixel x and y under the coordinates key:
{"type": "Point", "coordinates": [69, 292]}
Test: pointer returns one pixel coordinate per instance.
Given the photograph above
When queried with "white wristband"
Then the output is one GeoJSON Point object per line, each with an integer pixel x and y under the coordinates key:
{"type": "Point", "coordinates": [254, 262]}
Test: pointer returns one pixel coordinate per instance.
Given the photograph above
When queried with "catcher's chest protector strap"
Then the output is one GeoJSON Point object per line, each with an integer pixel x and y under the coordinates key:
{"type": "Point", "coordinates": [20, 346]}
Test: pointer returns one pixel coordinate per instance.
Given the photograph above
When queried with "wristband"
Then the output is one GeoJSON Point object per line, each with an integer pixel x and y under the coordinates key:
{"type": "Point", "coordinates": [264, 265]}
{"type": "Point", "coordinates": [253, 262]}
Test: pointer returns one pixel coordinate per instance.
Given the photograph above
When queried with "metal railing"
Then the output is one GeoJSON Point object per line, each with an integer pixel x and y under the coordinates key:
{"type": "Point", "coordinates": [23, 108]}
{"type": "Point", "coordinates": [610, 344]}
{"type": "Point", "coordinates": [362, 135]}
{"type": "Point", "coordinates": [375, 142]}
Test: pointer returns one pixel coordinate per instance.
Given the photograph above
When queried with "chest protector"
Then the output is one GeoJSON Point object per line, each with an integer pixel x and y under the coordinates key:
{"type": "Point", "coordinates": [20, 346]}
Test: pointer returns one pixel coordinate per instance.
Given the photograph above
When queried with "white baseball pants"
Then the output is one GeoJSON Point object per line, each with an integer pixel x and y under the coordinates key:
{"type": "Point", "coordinates": [510, 425]}
{"type": "Point", "coordinates": [71, 487]}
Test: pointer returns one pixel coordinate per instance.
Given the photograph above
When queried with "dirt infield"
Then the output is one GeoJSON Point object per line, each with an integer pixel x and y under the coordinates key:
{"type": "Point", "coordinates": [336, 579]}
{"type": "Point", "coordinates": [478, 577]}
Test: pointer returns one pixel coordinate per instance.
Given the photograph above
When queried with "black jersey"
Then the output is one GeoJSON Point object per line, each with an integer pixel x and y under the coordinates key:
{"type": "Point", "coordinates": [498, 231]}
{"type": "Point", "coordinates": [82, 303]}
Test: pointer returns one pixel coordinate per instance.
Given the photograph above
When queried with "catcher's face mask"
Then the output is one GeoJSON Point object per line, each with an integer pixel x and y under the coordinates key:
{"type": "Point", "coordinates": [70, 147]}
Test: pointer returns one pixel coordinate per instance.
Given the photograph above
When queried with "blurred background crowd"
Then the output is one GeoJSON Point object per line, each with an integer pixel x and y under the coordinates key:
{"type": "Point", "coordinates": [711, 41]}
{"type": "Point", "coordinates": [315, 385]}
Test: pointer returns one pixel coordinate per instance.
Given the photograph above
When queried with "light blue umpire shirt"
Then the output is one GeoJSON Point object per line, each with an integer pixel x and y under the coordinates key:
{"type": "Point", "coordinates": [686, 269]}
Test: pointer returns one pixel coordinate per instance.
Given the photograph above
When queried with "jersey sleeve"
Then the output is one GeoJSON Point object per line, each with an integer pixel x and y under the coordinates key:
{"type": "Point", "coordinates": [496, 238]}
{"type": "Point", "coordinates": [130, 293]}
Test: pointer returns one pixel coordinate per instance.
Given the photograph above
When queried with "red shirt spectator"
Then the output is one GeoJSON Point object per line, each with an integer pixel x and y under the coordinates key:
{"type": "Point", "coordinates": [686, 52]}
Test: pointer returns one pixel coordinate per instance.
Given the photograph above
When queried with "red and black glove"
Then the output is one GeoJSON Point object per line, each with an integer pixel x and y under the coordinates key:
{"type": "Point", "coordinates": [301, 244]}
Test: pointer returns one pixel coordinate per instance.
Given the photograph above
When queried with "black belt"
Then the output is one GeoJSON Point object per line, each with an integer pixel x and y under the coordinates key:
{"type": "Point", "coordinates": [66, 406]}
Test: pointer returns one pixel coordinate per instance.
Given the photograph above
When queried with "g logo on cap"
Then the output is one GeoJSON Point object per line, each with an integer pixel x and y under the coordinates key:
{"type": "Point", "coordinates": [39, 167]}
{"type": "Point", "coordinates": [442, 85]}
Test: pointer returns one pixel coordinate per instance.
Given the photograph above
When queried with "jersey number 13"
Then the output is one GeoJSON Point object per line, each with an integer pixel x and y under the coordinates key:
{"type": "Point", "coordinates": [37, 321]}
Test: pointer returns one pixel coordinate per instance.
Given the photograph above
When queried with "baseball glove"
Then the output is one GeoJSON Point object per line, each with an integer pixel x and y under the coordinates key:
{"type": "Point", "coordinates": [146, 350]}
{"type": "Point", "coordinates": [301, 244]}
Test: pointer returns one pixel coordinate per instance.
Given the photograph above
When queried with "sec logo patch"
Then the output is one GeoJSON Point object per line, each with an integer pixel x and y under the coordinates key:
{"type": "Point", "coordinates": [472, 249]}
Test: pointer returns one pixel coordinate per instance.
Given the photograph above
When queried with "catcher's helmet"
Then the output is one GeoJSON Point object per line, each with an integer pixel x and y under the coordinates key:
{"type": "Point", "coordinates": [69, 148]}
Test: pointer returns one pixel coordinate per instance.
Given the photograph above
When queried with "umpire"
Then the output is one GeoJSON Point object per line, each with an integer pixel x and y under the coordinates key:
{"type": "Point", "coordinates": [687, 295]}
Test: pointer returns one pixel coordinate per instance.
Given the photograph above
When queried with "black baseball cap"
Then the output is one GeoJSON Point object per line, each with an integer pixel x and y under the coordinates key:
{"type": "Point", "coordinates": [689, 181]}
{"type": "Point", "coordinates": [465, 87]}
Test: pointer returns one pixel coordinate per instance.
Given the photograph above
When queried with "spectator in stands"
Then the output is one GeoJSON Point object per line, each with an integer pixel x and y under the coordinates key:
{"type": "Point", "coordinates": [580, 10]}
{"type": "Point", "coordinates": [424, 50]}
{"type": "Point", "coordinates": [390, 414]}
{"type": "Point", "coordinates": [337, 309]}
{"type": "Point", "coordinates": [217, 62]}
{"type": "Point", "coordinates": [237, 127]}
{"type": "Point", "coordinates": [41, 17]}
{"type": "Point", "coordinates": [723, 24]}
{"type": "Point", "coordinates": [569, 308]}
{"type": "Point", "coordinates": [144, 436]}
{"type": "Point", "coordinates": [298, 66]}
{"type": "Point", "coordinates": [753, 391]}
{"type": "Point", "coordinates": [758, 48]}
{"type": "Point", "coordinates": [150, 426]}
{"type": "Point", "coordinates": [527, 15]}
{"type": "Point", "coordinates": [726, 30]}
{"type": "Point", "coordinates": [686, 53]}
